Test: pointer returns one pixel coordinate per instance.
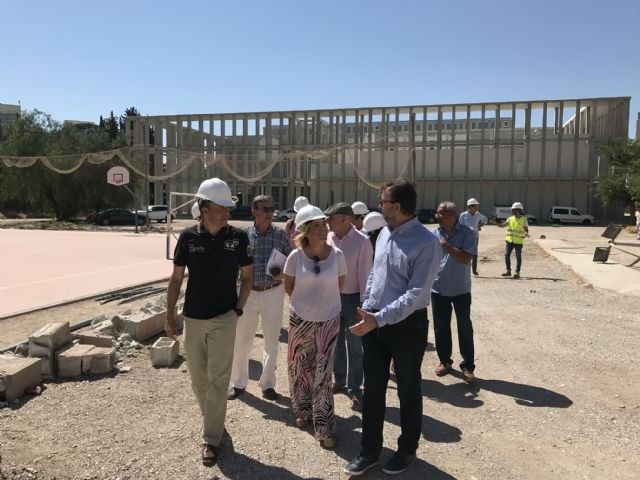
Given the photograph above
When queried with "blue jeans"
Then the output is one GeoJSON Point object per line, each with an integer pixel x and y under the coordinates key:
{"type": "Point", "coordinates": [349, 345]}
{"type": "Point", "coordinates": [441, 306]}
{"type": "Point", "coordinates": [507, 255]}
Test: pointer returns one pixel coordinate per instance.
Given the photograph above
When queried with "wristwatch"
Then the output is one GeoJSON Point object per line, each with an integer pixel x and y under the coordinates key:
{"type": "Point", "coordinates": [238, 311]}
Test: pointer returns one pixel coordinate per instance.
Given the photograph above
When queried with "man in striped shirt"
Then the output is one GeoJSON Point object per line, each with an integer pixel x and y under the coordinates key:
{"type": "Point", "coordinates": [266, 301]}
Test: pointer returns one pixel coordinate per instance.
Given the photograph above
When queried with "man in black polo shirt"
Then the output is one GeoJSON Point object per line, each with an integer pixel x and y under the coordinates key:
{"type": "Point", "coordinates": [214, 252]}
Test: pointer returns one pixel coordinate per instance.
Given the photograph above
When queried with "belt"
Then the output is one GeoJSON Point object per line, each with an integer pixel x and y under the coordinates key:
{"type": "Point", "coordinates": [349, 294]}
{"type": "Point", "coordinates": [262, 288]}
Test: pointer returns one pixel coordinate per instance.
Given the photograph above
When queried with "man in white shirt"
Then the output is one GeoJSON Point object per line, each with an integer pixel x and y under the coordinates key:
{"type": "Point", "coordinates": [473, 219]}
{"type": "Point", "coordinates": [358, 253]}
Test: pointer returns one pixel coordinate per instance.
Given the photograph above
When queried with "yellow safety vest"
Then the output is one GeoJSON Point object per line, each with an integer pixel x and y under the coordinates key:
{"type": "Point", "coordinates": [515, 229]}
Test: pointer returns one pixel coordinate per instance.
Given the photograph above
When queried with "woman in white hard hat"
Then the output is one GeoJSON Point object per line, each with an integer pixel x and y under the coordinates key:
{"type": "Point", "coordinates": [313, 277]}
{"type": "Point", "coordinates": [517, 230]}
{"type": "Point", "coordinates": [290, 226]}
{"type": "Point", "coordinates": [359, 211]}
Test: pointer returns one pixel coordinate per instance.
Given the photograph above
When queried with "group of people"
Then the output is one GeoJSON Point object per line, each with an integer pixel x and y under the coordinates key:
{"type": "Point", "coordinates": [359, 284]}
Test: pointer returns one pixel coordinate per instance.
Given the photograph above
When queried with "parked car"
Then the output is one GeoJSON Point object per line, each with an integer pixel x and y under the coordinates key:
{"type": "Point", "coordinates": [569, 215]}
{"type": "Point", "coordinates": [156, 213]}
{"type": "Point", "coordinates": [241, 212]}
{"type": "Point", "coordinates": [284, 215]}
{"type": "Point", "coordinates": [117, 216]}
{"type": "Point", "coordinates": [426, 215]}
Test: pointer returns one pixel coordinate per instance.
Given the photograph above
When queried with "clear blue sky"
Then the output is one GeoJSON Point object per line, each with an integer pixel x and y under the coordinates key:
{"type": "Point", "coordinates": [78, 59]}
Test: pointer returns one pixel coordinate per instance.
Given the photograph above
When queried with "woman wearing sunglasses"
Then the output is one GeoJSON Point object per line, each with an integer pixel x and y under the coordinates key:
{"type": "Point", "coordinates": [313, 276]}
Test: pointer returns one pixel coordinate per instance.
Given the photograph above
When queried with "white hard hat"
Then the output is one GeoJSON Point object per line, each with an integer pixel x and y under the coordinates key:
{"type": "Point", "coordinates": [300, 203]}
{"type": "Point", "coordinates": [359, 208]}
{"type": "Point", "coordinates": [472, 201]}
{"type": "Point", "coordinates": [216, 191]}
{"type": "Point", "coordinates": [517, 205]}
{"type": "Point", "coordinates": [195, 211]}
{"type": "Point", "coordinates": [373, 221]}
{"type": "Point", "coordinates": [307, 214]}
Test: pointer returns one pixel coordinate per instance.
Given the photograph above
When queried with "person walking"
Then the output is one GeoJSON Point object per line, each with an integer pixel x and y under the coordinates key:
{"type": "Point", "coordinates": [314, 274]}
{"type": "Point", "coordinates": [358, 253]}
{"type": "Point", "coordinates": [517, 230]}
{"type": "Point", "coordinates": [473, 219]}
{"type": "Point", "coordinates": [265, 302]}
{"type": "Point", "coordinates": [359, 212]}
{"type": "Point", "coordinates": [394, 325]}
{"type": "Point", "coordinates": [452, 288]}
{"type": "Point", "coordinates": [290, 226]}
{"type": "Point", "coordinates": [213, 252]}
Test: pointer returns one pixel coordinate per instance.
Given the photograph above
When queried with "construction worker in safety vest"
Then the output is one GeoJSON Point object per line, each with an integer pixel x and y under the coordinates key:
{"type": "Point", "coordinates": [517, 230]}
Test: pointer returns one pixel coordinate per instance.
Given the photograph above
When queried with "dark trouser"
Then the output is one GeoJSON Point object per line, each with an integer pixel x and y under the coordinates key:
{"type": "Point", "coordinates": [405, 343]}
{"type": "Point", "coordinates": [507, 255]}
{"type": "Point", "coordinates": [349, 346]}
{"type": "Point", "coordinates": [441, 306]}
{"type": "Point", "coordinates": [474, 261]}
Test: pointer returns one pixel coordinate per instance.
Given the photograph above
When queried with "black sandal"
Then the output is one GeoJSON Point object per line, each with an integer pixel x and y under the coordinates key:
{"type": "Point", "coordinates": [209, 455]}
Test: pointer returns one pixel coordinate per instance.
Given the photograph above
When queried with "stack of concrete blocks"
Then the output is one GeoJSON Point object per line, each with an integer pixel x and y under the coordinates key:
{"type": "Point", "coordinates": [18, 374]}
{"type": "Point", "coordinates": [164, 352]}
{"type": "Point", "coordinates": [144, 324]}
{"type": "Point", "coordinates": [45, 342]}
{"type": "Point", "coordinates": [80, 359]}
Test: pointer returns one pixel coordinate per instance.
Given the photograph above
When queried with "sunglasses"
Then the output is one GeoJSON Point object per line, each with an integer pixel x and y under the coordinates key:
{"type": "Point", "coordinates": [316, 266]}
{"type": "Point", "coordinates": [266, 209]}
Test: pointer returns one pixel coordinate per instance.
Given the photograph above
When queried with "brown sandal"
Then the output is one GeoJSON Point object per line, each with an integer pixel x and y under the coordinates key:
{"type": "Point", "coordinates": [209, 455]}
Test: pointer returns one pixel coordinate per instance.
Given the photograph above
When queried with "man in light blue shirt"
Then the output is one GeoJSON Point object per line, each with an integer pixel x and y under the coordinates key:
{"type": "Point", "coordinates": [473, 219]}
{"type": "Point", "coordinates": [453, 288]}
{"type": "Point", "coordinates": [394, 326]}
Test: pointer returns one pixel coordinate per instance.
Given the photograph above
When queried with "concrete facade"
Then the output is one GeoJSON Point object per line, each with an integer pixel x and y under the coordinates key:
{"type": "Point", "coordinates": [539, 152]}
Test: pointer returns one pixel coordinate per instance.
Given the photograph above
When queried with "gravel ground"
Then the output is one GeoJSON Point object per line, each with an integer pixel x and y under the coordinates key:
{"type": "Point", "coordinates": [557, 397]}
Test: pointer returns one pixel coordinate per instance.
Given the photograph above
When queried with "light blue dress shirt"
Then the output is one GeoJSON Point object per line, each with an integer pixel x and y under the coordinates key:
{"type": "Point", "coordinates": [405, 265]}
{"type": "Point", "coordinates": [454, 277]}
{"type": "Point", "coordinates": [472, 221]}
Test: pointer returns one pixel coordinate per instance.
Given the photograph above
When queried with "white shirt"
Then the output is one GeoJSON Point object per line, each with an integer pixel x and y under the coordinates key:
{"type": "Point", "coordinates": [316, 297]}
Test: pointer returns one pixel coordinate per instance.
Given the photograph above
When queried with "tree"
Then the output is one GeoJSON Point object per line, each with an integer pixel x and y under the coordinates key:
{"type": "Point", "coordinates": [42, 190]}
{"type": "Point", "coordinates": [621, 183]}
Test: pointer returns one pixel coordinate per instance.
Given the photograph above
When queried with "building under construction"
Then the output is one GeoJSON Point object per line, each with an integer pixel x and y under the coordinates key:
{"type": "Point", "coordinates": [538, 152]}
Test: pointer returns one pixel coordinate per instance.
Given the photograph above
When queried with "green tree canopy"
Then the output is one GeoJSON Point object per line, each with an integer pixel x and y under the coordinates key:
{"type": "Point", "coordinates": [621, 182]}
{"type": "Point", "coordinates": [44, 191]}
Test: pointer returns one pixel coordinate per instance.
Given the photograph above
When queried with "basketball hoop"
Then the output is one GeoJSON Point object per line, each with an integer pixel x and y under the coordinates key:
{"type": "Point", "coordinates": [118, 176]}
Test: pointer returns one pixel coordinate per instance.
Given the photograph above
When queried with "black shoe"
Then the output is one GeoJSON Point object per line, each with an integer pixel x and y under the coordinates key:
{"type": "Point", "coordinates": [234, 393]}
{"type": "Point", "coordinates": [398, 463]}
{"type": "Point", "coordinates": [356, 402]}
{"type": "Point", "coordinates": [360, 465]}
{"type": "Point", "coordinates": [475, 272]}
{"type": "Point", "coordinates": [270, 394]}
{"type": "Point", "coordinates": [209, 455]}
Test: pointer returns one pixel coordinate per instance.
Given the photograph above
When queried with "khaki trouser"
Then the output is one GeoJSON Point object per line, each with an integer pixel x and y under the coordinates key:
{"type": "Point", "coordinates": [208, 345]}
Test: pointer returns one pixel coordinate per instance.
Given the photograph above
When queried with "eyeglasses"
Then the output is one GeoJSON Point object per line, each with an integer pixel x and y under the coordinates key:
{"type": "Point", "coordinates": [316, 266]}
{"type": "Point", "coordinates": [266, 209]}
{"type": "Point", "coordinates": [382, 202]}
{"type": "Point", "coordinates": [444, 213]}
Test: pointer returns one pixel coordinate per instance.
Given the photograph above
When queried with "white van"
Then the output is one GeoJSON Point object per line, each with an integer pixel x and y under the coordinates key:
{"type": "Point", "coordinates": [502, 212]}
{"type": "Point", "coordinates": [569, 215]}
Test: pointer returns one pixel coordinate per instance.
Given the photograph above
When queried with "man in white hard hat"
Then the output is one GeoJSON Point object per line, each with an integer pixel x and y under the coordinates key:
{"type": "Point", "coordinates": [214, 252]}
{"type": "Point", "coordinates": [473, 219]}
{"type": "Point", "coordinates": [394, 327]}
{"type": "Point", "coordinates": [359, 211]}
{"type": "Point", "coordinates": [358, 253]}
{"type": "Point", "coordinates": [290, 226]}
{"type": "Point", "coordinates": [372, 225]}
{"type": "Point", "coordinates": [517, 230]}
{"type": "Point", "coordinates": [265, 302]}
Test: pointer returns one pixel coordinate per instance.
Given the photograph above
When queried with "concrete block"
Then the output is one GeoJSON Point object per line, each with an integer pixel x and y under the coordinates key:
{"type": "Point", "coordinates": [91, 337]}
{"type": "Point", "coordinates": [47, 355]}
{"type": "Point", "coordinates": [52, 335]}
{"type": "Point", "coordinates": [145, 324]}
{"type": "Point", "coordinates": [38, 351]}
{"type": "Point", "coordinates": [17, 374]}
{"type": "Point", "coordinates": [102, 360]}
{"type": "Point", "coordinates": [74, 361]}
{"type": "Point", "coordinates": [104, 328]}
{"type": "Point", "coordinates": [164, 352]}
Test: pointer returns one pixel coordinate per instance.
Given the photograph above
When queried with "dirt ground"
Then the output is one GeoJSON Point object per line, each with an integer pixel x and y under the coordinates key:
{"type": "Point", "coordinates": [557, 397]}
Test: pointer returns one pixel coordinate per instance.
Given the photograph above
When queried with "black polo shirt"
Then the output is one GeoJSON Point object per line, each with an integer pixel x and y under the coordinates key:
{"type": "Point", "coordinates": [213, 263]}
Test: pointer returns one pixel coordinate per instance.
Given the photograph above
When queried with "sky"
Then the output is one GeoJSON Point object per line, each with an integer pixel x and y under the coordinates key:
{"type": "Point", "coordinates": [79, 59]}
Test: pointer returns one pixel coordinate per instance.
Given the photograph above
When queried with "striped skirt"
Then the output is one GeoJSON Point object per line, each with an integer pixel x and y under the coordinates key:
{"type": "Point", "coordinates": [310, 365]}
